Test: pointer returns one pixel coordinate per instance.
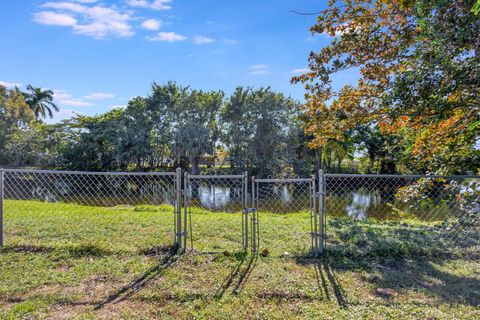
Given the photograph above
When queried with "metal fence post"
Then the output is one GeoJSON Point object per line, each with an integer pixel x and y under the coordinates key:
{"type": "Point", "coordinates": [316, 218]}
{"type": "Point", "coordinates": [2, 175]}
{"type": "Point", "coordinates": [253, 220]}
{"type": "Point", "coordinates": [321, 209]}
{"type": "Point", "coordinates": [186, 209]}
{"type": "Point", "coordinates": [245, 212]}
{"type": "Point", "coordinates": [178, 210]}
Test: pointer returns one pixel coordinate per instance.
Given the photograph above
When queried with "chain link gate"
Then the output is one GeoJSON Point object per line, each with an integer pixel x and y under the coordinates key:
{"type": "Point", "coordinates": [67, 200]}
{"type": "Point", "coordinates": [288, 195]}
{"type": "Point", "coordinates": [219, 195]}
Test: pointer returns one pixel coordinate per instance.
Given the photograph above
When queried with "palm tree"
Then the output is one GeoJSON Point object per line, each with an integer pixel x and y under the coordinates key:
{"type": "Point", "coordinates": [40, 101]}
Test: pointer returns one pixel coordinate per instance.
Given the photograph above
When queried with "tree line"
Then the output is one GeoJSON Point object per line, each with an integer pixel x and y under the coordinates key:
{"type": "Point", "coordinates": [174, 126]}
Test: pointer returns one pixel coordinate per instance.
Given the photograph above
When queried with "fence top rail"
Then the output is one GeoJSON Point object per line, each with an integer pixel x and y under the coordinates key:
{"type": "Point", "coordinates": [353, 175]}
{"type": "Point", "coordinates": [218, 176]}
{"type": "Point", "coordinates": [285, 180]}
{"type": "Point", "coordinates": [93, 173]}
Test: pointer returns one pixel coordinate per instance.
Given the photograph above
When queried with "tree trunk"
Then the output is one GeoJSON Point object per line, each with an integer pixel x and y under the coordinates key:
{"type": "Point", "coordinates": [194, 164]}
{"type": "Point", "coordinates": [387, 167]}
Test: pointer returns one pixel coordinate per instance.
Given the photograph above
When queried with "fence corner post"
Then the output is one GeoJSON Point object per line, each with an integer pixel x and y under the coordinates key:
{"type": "Point", "coordinates": [322, 210]}
{"type": "Point", "coordinates": [178, 208]}
{"type": "Point", "coordinates": [2, 176]}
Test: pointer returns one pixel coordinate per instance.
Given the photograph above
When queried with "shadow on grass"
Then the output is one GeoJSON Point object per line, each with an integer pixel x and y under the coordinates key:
{"type": "Point", "coordinates": [325, 278]}
{"type": "Point", "coordinates": [245, 274]}
{"type": "Point", "coordinates": [427, 275]}
{"type": "Point", "coordinates": [242, 275]}
{"type": "Point", "coordinates": [231, 276]}
{"type": "Point", "coordinates": [323, 268]}
{"type": "Point", "coordinates": [70, 251]}
{"type": "Point", "coordinates": [169, 257]}
{"type": "Point", "coordinates": [26, 249]}
{"type": "Point", "coordinates": [401, 256]}
{"type": "Point", "coordinates": [395, 240]}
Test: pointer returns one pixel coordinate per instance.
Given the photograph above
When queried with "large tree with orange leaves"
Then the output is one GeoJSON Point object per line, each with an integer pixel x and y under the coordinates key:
{"type": "Point", "coordinates": [419, 63]}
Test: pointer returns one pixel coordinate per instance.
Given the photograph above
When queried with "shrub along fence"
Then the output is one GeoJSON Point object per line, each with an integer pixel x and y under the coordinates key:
{"type": "Point", "coordinates": [358, 215]}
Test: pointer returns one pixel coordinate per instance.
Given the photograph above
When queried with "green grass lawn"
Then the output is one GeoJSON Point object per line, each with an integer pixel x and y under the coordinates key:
{"type": "Point", "coordinates": [70, 261]}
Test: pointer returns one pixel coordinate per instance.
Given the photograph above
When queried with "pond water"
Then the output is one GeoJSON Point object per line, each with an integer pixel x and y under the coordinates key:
{"type": "Point", "coordinates": [215, 197]}
{"type": "Point", "coordinates": [359, 202]}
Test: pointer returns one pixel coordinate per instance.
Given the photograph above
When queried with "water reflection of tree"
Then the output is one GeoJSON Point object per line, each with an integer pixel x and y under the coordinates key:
{"type": "Point", "coordinates": [104, 190]}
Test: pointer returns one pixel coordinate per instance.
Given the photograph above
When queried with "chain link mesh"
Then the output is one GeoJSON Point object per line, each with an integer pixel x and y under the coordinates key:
{"type": "Point", "coordinates": [111, 211]}
{"type": "Point", "coordinates": [214, 205]}
{"type": "Point", "coordinates": [286, 212]}
{"type": "Point", "coordinates": [367, 215]}
{"type": "Point", "coordinates": [382, 215]}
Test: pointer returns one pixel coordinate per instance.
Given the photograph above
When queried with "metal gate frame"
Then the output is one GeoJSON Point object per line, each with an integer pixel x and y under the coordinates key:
{"type": "Point", "coordinates": [187, 214]}
{"type": "Point", "coordinates": [317, 210]}
{"type": "Point", "coordinates": [182, 218]}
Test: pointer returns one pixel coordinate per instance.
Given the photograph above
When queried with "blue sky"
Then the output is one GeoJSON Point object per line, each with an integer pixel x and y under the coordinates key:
{"type": "Point", "coordinates": [97, 54]}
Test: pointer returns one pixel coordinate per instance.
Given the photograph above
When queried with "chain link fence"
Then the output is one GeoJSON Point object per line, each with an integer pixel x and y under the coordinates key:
{"type": "Point", "coordinates": [287, 210]}
{"type": "Point", "coordinates": [357, 215]}
{"type": "Point", "coordinates": [104, 211]}
{"type": "Point", "coordinates": [402, 216]}
{"type": "Point", "coordinates": [214, 205]}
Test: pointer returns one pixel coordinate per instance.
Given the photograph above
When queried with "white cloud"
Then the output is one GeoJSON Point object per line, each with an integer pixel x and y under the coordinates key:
{"type": "Point", "coordinates": [258, 69]}
{"type": "Point", "coordinates": [258, 66]}
{"type": "Point", "coordinates": [86, 1]}
{"type": "Point", "coordinates": [167, 36]}
{"type": "Point", "coordinates": [68, 6]}
{"type": "Point", "coordinates": [10, 85]}
{"type": "Point", "coordinates": [99, 96]}
{"type": "Point", "coordinates": [230, 41]}
{"type": "Point", "coordinates": [63, 97]}
{"type": "Point", "coordinates": [203, 40]}
{"type": "Point", "coordinates": [54, 19]}
{"type": "Point", "coordinates": [96, 21]}
{"type": "Point", "coordinates": [300, 70]}
{"type": "Point", "coordinates": [105, 21]}
{"type": "Point", "coordinates": [154, 4]}
{"type": "Point", "coordinates": [76, 103]}
{"type": "Point", "coordinates": [152, 24]}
